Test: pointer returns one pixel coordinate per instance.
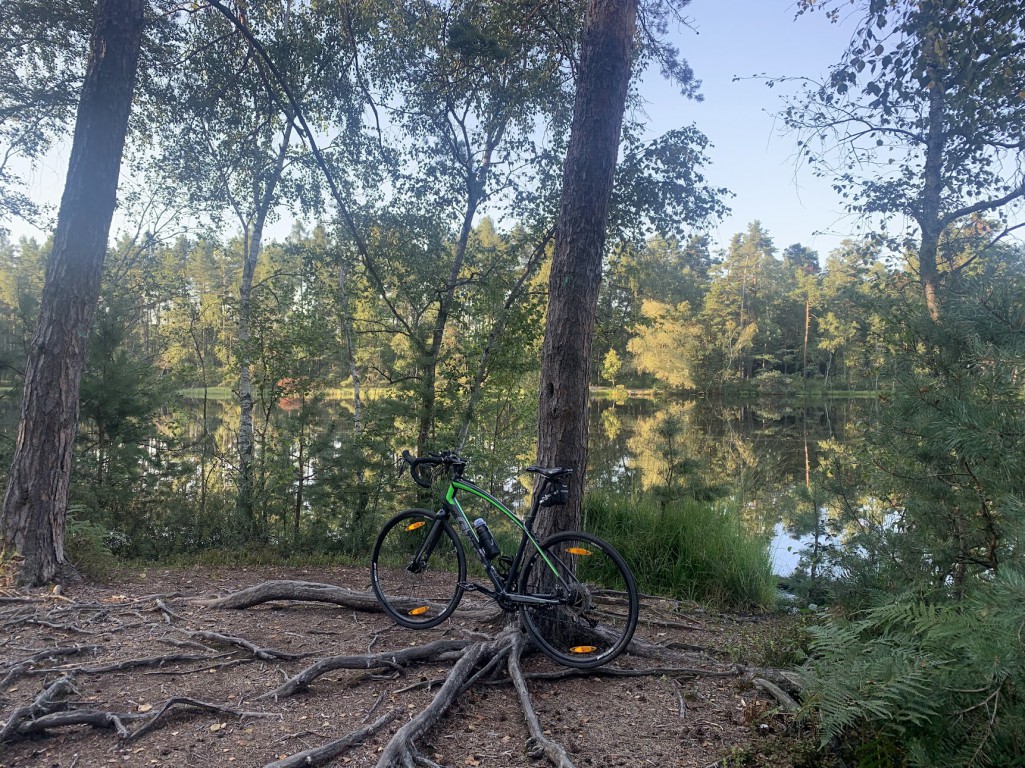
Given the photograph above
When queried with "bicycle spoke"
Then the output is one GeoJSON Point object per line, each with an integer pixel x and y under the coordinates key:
{"type": "Point", "coordinates": [580, 570]}
{"type": "Point", "coordinates": [417, 569]}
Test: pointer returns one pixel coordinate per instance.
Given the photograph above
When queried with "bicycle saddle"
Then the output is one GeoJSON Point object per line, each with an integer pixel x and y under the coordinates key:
{"type": "Point", "coordinates": [552, 473]}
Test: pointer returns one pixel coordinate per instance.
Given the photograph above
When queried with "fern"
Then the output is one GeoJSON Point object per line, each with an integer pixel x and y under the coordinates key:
{"type": "Point", "coordinates": [942, 681]}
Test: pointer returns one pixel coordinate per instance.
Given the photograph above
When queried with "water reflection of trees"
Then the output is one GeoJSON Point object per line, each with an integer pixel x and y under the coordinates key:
{"type": "Point", "coordinates": [762, 455]}
{"type": "Point", "coordinates": [319, 485]}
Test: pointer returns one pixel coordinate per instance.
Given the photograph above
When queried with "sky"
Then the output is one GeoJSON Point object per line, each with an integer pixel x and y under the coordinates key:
{"type": "Point", "coordinates": [750, 156]}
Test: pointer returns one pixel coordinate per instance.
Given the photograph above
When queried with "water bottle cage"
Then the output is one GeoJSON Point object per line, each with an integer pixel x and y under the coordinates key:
{"type": "Point", "coordinates": [486, 540]}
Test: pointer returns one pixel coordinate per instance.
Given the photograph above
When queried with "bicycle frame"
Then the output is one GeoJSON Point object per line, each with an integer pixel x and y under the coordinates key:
{"type": "Point", "coordinates": [504, 588]}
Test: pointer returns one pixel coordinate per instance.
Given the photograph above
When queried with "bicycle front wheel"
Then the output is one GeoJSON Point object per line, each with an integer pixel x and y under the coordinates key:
{"type": "Point", "coordinates": [595, 615]}
{"type": "Point", "coordinates": [417, 569]}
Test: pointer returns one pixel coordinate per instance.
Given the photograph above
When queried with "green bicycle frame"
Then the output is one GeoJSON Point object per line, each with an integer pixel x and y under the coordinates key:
{"type": "Point", "coordinates": [452, 504]}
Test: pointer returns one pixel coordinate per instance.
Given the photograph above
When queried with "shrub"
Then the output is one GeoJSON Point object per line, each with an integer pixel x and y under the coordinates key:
{"type": "Point", "coordinates": [87, 547]}
{"type": "Point", "coordinates": [685, 548]}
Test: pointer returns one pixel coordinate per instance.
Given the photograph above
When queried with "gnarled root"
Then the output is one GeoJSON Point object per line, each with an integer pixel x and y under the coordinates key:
{"type": "Point", "coordinates": [269, 591]}
{"type": "Point", "coordinates": [401, 750]}
{"type": "Point", "coordinates": [539, 745]}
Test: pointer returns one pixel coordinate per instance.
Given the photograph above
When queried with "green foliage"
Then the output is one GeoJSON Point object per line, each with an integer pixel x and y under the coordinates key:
{"type": "Point", "coordinates": [928, 505]}
{"type": "Point", "coordinates": [926, 683]}
{"type": "Point", "coordinates": [665, 344]}
{"type": "Point", "coordinates": [43, 44]}
{"type": "Point", "coordinates": [87, 546]}
{"type": "Point", "coordinates": [932, 493]}
{"type": "Point", "coordinates": [920, 80]}
{"type": "Point", "coordinates": [685, 549]}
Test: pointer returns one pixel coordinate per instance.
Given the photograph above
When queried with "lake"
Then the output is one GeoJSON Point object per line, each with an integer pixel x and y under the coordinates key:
{"type": "Point", "coordinates": [760, 455]}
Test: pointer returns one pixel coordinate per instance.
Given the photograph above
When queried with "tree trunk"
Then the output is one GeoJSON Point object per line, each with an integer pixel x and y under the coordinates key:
{"type": "Point", "coordinates": [476, 180]}
{"type": "Point", "coordinates": [929, 275]}
{"type": "Point", "coordinates": [515, 294]}
{"type": "Point", "coordinates": [301, 474]}
{"type": "Point", "coordinates": [606, 49]}
{"type": "Point", "coordinates": [263, 203]}
{"type": "Point", "coordinates": [807, 333]}
{"type": "Point", "coordinates": [929, 216]}
{"type": "Point", "coordinates": [35, 505]}
{"type": "Point", "coordinates": [349, 334]}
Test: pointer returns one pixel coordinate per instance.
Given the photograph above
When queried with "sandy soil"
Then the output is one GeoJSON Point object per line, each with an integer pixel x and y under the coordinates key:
{"type": "Point", "coordinates": [671, 719]}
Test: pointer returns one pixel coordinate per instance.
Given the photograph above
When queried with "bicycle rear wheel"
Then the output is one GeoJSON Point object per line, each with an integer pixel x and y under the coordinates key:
{"type": "Point", "coordinates": [417, 569]}
{"type": "Point", "coordinates": [598, 604]}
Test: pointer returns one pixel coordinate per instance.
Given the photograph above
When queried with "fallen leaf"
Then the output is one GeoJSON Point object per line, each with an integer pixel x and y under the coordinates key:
{"type": "Point", "coordinates": [145, 707]}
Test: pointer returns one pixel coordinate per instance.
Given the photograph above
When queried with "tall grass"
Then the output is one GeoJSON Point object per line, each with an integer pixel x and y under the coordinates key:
{"type": "Point", "coordinates": [685, 548]}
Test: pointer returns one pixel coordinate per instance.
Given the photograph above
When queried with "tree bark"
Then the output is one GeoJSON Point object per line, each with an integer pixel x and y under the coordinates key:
{"type": "Point", "coordinates": [263, 202]}
{"type": "Point", "coordinates": [606, 49]}
{"type": "Point", "coordinates": [476, 183]}
{"type": "Point", "coordinates": [35, 504]}
{"type": "Point", "coordinates": [930, 213]}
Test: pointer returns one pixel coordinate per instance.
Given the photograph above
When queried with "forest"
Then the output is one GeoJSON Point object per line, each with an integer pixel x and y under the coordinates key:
{"type": "Point", "coordinates": [192, 391]}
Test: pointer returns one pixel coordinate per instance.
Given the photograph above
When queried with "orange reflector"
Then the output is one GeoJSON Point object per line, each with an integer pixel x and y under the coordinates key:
{"type": "Point", "coordinates": [414, 526]}
{"type": "Point", "coordinates": [583, 649]}
{"type": "Point", "coordinates": [419, 611]}
{"type": "Point", "coordinates": [579, 551]}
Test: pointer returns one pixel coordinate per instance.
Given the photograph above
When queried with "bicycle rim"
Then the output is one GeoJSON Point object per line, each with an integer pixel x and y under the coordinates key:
{"type": "Point", "coordinates": [597, 615]}
{"type": "Point", "coordinates": [416, 584]}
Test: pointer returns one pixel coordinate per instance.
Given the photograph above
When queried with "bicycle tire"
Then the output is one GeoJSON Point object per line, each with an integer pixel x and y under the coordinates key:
{"type": "Point", "coordinates": [418, 590]}
{"type": "Point", "coordinates": [592, 626]}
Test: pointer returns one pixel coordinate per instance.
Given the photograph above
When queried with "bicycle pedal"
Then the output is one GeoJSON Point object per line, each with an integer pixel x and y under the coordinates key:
{"type": "Point", "coordinates": [469, 586]}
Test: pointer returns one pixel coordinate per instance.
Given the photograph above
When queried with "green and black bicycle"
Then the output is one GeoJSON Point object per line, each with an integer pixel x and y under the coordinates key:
{"type": "Point", "coordinates": [576, 594]}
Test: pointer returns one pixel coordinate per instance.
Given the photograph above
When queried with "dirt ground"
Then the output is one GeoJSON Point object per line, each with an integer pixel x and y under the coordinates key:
{"type": "Point", "coordinates": [705, 713]}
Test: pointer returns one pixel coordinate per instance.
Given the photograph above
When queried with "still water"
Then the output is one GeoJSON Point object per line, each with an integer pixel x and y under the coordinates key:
{"type": "Point", "coordinates": [760, 455]}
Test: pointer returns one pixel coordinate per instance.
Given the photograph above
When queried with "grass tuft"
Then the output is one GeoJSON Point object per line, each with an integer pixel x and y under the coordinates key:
{"type": "Point", "coordinates": [687, 549]}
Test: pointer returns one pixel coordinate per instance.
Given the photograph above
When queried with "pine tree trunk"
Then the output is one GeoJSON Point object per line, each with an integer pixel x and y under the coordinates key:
{"type": "Point", "coordinates": [606, 49]}
{"type": "Point", "coordinates": [807, 333]}
{"type": "Point", "coordinates": [35, 505]}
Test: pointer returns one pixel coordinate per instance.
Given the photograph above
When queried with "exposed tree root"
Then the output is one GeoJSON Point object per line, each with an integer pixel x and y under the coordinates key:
{"type": "Point", "coordinates": [567, 674]}
{"type": "Point", "coordinates": [16, 669]}
{"type": "Point", "coordinates": [325, 752]}
{"type": "Point", "coordinates": [269, 591]}
{"type": "Point", "coordinates": [476, 660]}
{"type": "Point", "coordinates": [266, 654]}
{"type": "Point", "coordinates": [439, 650]}
{"type": "Point", "coordinates": [189, 704]}
{"type": "Point", "coordinates": [785, 700]}
{"type": "Point", "coordinates": [45, 703]}
{"type": "Point", "coordinates": [401, 750]}
{"type": "Point", "coordinates": [539, 744]}
{"type": "Point", "coordinates": [51, 709]}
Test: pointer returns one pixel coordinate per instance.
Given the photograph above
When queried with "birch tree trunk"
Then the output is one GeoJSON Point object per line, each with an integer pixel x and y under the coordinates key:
{"type": "Point", "coordinates": [263, 202]}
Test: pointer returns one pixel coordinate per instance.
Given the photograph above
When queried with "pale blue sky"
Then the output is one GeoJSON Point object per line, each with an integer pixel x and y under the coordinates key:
{"type": "Point", "coordinates": [751, 156]}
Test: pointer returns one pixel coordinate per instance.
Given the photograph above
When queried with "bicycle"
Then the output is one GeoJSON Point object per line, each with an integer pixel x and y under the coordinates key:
{"type": "Point", "coordinates": [576, 595]}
